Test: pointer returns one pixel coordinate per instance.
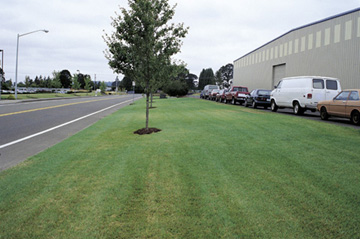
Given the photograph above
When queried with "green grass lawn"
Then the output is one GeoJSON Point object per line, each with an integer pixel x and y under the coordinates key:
{"type": "Point", "coordinates": [214, 171]}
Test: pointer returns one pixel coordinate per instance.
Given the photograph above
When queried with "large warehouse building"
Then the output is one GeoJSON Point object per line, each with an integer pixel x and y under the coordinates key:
{"type": "Point", "coordinates": [330, 47]}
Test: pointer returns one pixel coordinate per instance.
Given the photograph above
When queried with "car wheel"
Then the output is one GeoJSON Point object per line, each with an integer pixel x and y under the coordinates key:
{"type": "Point", "coordinates": [274, 107]}
{"type": "Point", "coordinates": [254, 105]}
{"type": "Point", "coordinates": [355, 117]}
{"type": "Point", "coordinates": [323, 113]}
{"type": "Point", "coordinates": [233, 101]}
{"type": "Point", "coordinates": [297, 109]}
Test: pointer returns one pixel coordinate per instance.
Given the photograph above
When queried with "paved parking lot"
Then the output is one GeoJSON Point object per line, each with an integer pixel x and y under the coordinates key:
{"type": "Point", "coordinates": [307, 115]}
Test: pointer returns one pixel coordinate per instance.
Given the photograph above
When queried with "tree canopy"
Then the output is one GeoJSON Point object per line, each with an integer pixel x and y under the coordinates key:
{"type": "Point", "coordinates": [225, 74]}
{"type": "Point", "coordinates": [65, 78]}
{"type": "Point", "coordinates": [206, 78]}
{"type": "Point", "coordinates": [143, 43]}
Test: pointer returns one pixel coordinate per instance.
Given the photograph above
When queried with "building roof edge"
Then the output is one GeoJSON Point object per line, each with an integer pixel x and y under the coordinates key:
{"type": "Point", "coordinates": [301, 27]}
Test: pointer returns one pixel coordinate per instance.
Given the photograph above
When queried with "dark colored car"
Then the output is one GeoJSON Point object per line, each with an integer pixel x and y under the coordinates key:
{"type": "Point", "coordinates": [257, 98]}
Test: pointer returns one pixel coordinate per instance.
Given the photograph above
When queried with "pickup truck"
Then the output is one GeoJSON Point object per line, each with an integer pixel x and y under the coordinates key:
{"type": "Point", "coordinates": [236, 94]}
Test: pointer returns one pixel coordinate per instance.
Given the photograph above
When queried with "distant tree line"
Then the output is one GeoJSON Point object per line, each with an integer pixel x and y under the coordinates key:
{"type": "Point", "coordinates": [222, 77]}
{"type": "Point", "coordinates": [175, 86]}
{"type": "Point", "coordinates": [59, 79]}
{"type": "Point", "coordinates": [184, 81]}
{"type": "Point", "coordinates": [179, 85]}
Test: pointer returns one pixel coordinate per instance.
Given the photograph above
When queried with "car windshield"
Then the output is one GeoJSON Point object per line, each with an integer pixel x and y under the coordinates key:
{"type": "Point", "coordinates": [264, 92]}
{"type": "Point", "coordinates": [240, 89]}
{"type": "Point", "coordinates": [354, 95]}
{"type": "Point", "coordinates": [342, 96]}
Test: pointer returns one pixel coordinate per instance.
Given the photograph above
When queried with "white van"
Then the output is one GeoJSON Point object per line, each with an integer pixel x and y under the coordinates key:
{"type": "Point", "coordinates": [303, 92]}
{"type": "Point", "coordinates": [207, 90]}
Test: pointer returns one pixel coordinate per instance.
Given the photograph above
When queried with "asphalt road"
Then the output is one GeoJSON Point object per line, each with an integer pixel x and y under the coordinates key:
{"type": "Point", "coordinates": [27, 128]}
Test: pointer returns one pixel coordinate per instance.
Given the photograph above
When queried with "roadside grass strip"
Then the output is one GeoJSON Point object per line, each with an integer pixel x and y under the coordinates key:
{"type": "Point", "coordinates": [214, 171]}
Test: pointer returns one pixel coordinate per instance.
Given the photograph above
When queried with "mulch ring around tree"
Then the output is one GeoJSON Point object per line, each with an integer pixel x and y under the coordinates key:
{"type": "Point", "coordinates": [147, 131]}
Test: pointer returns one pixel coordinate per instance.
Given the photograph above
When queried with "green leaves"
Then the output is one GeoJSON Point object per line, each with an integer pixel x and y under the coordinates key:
{"type": "Point", "coordinates": [144, 42]}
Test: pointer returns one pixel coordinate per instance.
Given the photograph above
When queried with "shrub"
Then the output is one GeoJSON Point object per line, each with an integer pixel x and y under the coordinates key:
{"type": "Point", "coordinates": [176, 88]}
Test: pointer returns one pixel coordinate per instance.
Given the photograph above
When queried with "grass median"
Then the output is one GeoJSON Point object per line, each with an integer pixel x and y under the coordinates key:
{"type": "Point", "coordinates": [214, 171]}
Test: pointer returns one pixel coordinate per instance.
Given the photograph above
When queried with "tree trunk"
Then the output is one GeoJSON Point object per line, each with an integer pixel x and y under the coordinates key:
{"type": "Point", "coordinates": [147, 111]}
{"type": "Point", "coordinates": [151, 100]}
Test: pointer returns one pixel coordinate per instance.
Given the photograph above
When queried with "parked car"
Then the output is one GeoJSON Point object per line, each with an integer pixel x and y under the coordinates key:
{"type": "Point", "coordinates": [207, 90]}
{"type": "Point", "coordinates": [236, 94]}
{"type": "Point", "coordinates": [212, 95]}
{"type": "Point", "coordinates": [220, 97]}
{"type": "Point", "coordinates": [303, 93]}
{"type": "Point", "coordinates": [345, 105]}
{"type": "Point", "coordinates": [257, 98]}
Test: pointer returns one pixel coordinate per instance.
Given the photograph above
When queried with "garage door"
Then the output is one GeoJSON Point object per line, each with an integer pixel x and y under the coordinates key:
{"type": "Point", "coordinates": [278, 73]}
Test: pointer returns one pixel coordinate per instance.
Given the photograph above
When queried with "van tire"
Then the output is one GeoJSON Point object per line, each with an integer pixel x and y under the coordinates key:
{"type": "Point", "coordinates": [355, 117]}
{"type": "Point", "coordinates": [274, 107]}
{"type": "Point", "coordinates": [297, 109]}
{"type": "Point", "coordinates": [323, 113]}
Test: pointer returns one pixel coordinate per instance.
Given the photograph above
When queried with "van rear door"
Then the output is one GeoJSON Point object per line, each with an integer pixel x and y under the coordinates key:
{"type": "Point", "coordinates": [318, 91]}
{"type": "Point", "coordinates": [333, 88]}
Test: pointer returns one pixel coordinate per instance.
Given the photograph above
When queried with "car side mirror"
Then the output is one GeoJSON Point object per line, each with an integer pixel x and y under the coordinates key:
{"type": "Point", "coordinates": [275, 87]}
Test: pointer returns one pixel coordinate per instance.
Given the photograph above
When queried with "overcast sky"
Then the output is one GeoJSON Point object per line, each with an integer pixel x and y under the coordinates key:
{"type": "Point", "coordinates": [220, 31]}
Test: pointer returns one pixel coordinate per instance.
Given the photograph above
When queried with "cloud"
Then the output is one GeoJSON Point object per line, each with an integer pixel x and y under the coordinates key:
{"type": "Point", "coordinates": [220, 31]}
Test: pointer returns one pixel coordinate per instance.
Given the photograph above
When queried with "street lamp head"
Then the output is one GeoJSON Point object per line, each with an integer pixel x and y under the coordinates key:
{"type": "Point", "coordinates": [46, 31]}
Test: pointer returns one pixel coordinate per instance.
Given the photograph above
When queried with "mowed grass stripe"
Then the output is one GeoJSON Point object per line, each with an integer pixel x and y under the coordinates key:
{"type": "Point", "coordinates": [214, 171]}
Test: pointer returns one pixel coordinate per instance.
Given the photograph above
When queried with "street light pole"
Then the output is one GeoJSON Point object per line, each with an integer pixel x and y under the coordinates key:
{"type": "Point", "coordinates": [2, 69]}
{"type": "Point", "coordinates": [17, 55]}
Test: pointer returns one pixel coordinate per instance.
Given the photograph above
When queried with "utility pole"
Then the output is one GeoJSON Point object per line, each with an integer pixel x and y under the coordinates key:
{"type": "Point", "coordinates": [2, 69]}
{"type": "Point", "coordinates": [95, 84]}
{"type": "Point", "coordinates": [116, 83]}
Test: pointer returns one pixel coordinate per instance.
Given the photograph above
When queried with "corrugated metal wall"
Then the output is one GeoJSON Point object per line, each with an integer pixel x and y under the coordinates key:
{"type": "Point", "coordinates": [327, 48]}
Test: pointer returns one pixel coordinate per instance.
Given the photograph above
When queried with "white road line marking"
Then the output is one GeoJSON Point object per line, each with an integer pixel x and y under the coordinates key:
{"type": "Point", "coordinates": [59, 126]}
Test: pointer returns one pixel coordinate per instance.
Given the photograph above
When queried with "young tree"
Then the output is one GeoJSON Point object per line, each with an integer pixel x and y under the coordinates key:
{"type": "Point", "coordinates": [143, 43]}
{"type": "Point", "coordinates": [87, 80]}
{"type": "Point", "coordinates": [103, 87]}
{"type": "Point", "coordinates": [56, 82]}
{"type": "Point", "coordinates": [76, 83]}
{"type": "Point", "coordinates": [27, 81]}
